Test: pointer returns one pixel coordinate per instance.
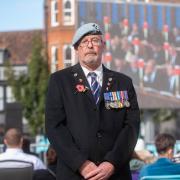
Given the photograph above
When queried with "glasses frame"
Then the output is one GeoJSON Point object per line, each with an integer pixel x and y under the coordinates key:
{"type": "Point", "coordinates": [94, 41]}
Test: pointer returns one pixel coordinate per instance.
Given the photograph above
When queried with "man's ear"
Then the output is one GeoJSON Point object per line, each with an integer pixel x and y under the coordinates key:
{"type": "Point", "coordinates": [76, 51]}
{"type": "Point", "coordinates": [170, 152]}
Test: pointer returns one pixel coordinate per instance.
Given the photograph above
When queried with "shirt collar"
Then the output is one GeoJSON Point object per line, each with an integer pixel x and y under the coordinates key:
{"type": "Point", "coordinates": [98, 71]}
{"type": "Point", "coordinates": [13, 150]}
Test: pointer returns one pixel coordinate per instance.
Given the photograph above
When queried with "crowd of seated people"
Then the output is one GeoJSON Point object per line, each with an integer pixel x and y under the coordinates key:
{"type": "Point", "coordinates": [144, 163]}
{"type": "Point", "coordinates": [18, 148]}
{"type": "Point", "coordinates": [160, 56]}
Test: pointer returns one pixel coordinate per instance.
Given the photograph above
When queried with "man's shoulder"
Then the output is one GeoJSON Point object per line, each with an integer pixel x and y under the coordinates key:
{"type": "Point", "coordinates": [2, 155]}
{"type": "Point", "coordinates": [21, 156]}
{"type": "Point", "coordinates": [145, 171]}
{"type": "Point", "coordinates": [118, 75]}
{"type": "Point", "coordinates": [30, 156]}
{"type": "Point", "coordinates": [62, 71]}
{"type": "Point", "coordinates": [160, 167]}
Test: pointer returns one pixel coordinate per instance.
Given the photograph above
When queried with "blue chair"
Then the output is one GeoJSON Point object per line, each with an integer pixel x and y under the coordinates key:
{"type": "Point", "coordinates": [167, 177]}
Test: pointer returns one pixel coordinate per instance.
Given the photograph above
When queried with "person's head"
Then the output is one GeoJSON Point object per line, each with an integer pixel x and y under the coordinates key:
{"type": "Point", "coordinates": [165, 145]}
{"type": "Point", "coordinates": [51, 156]}
{"type": "Point", "coordinates": [26, 144]}
{"type": "Point", "coordinates": [89, 45]}
{"type": "Point", "coordinates": [13, 138]}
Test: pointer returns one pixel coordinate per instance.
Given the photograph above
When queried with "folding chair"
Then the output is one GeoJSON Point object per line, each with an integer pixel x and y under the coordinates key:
{"type": "Point", "coordinates": [167, 177]}
{"type": "Point", "coordinates": [16, 170]}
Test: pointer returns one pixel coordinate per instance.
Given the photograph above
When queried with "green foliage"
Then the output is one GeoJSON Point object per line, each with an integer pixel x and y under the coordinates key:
{"type": "Point", "coordinates": [30, 89]}
{"type": "Point", "coordinates": [161, 115]}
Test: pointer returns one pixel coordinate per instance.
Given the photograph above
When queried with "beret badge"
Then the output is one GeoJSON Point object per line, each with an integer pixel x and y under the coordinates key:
{"type": "Point", "coordinates": [96, 27]}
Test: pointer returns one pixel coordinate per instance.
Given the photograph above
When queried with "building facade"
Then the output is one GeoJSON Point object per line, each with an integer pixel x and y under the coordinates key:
{"type": "Point", "coordinates": [60, 26]}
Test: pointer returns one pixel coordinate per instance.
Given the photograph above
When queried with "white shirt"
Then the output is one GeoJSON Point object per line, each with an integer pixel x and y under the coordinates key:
{"type": "Point", "coordinates": [18, 154]}
{"type": "Point", "coordinates": [99, 73]}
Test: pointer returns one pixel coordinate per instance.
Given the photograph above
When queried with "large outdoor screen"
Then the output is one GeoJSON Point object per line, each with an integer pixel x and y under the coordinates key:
{"type": "Point", "coordinates": [143, 42]}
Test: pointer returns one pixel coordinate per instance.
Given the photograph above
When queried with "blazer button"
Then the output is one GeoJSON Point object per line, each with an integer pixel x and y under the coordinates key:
{"type": "Point", "coordinates": [99, 135]}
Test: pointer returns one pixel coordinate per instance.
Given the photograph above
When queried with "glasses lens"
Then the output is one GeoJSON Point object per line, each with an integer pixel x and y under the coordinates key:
{"type": "Point", "coordinates": [94, 42]}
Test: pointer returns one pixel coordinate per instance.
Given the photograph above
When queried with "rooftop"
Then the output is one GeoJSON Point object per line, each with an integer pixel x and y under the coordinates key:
{"type": "Point", "coordinates": [18, 44]}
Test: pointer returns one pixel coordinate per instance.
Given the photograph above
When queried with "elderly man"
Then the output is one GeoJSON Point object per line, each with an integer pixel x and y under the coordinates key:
{"type": "Point", "coordinates": [92, 114]}
{"type": "Point", "coordinates": [13, 140]}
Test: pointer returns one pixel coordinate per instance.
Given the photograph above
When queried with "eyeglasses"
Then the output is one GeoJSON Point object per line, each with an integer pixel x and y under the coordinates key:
{"type": "Point", "coordinates": [94, 42]}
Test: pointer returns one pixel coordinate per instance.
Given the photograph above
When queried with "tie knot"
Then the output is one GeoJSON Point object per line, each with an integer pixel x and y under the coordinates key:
{"type": "Point", "coordinates": [92, 74]}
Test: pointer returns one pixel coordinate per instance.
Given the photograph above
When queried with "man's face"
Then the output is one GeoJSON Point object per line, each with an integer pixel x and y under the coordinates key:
{"type": "Point", "coordinates": [90, 51]}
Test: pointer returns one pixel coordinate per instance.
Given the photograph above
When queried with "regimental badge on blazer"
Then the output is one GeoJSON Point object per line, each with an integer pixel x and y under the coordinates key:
{"type": "Point", "coordinates": [117, 99]}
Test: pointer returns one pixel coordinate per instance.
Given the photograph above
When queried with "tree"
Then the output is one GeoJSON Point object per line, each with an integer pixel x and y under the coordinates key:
{"type": "Point", "coordinates": [30, 89]}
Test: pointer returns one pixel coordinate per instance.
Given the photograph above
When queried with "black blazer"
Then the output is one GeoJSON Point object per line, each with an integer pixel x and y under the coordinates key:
{"type": "Point", "coordinates": [79, 129]}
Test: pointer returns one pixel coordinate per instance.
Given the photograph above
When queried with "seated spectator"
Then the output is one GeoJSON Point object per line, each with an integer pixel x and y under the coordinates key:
{"type": "Point", "coordinates": [140, 145]}
{"type": "Point", "coordinates": [163, 166]}
{"type": "Point", "coordinates": [140, 152]}
{"type": "Point", "coordinates": [26, 146]}
{"type": "Point", "coordinates": [145, 156]}
{"type": "Point", "coordinates": [51, 159]}
{"type": "Point", "coordinates": [13, 140]}
{"type": "Point", "coordinates": [135, 166]}
{"type": "Point", "coordinates": [50, 173]}
{"type": "Point", "coordinates": [140, 157]}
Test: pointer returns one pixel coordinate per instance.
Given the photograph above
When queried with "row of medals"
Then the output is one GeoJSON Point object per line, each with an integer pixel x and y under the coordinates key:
{"type": "Point", "coordinates": [117, 104]}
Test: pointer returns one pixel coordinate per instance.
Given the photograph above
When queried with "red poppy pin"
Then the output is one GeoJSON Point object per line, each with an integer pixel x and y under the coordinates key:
{"type": "Point", "coordinates": [81, 88]}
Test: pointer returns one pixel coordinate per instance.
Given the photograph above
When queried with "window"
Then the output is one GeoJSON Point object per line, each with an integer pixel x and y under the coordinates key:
{"type": "Point", "coordinates": [2, 75]}
{"type": "Point", "coordinates": [1, 98]}
{"type": "Point", "coordinates": [20, 70]}
{"type": "Point", "coordinates": [1, 56]}
{"type": "Point", "coordinates": [68, 56]}
{"type": "Point", "coordinates": [54, 58]}
{"type": "Point", "coordinates": [54, 13]}
{"type": "Point", "coordinates": [68, 12]}
{"type": "Point", "coordinates": [9, 95]}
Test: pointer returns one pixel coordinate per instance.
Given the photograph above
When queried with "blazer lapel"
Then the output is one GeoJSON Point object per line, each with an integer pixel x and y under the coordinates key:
{"type": "Point", "coordinates": [80, 78]}
{"type": "Point", "coordinates": [108, 81]}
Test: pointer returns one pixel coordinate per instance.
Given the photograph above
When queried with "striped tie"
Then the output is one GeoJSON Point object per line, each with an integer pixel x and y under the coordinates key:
{"type": "Point", "coordinates": [95, 86]}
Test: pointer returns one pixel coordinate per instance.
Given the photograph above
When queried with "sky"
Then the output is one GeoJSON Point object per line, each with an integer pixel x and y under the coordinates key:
{"type": "Point", "coordinates": [21, 15]}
